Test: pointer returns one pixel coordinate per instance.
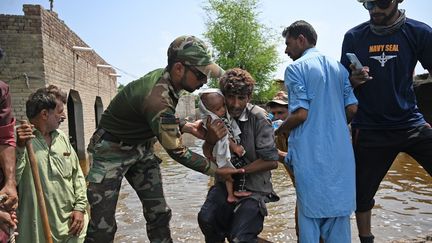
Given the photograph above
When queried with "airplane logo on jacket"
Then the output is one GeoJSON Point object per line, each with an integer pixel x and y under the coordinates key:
{"type": "Point", "coordinates": [383, 58]}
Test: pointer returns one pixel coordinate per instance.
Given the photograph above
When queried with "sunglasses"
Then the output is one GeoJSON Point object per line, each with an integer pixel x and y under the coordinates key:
{"type": "Point", "coordinates": [382, 4]}
{"type": "Point", "coordinates": [198, 74]}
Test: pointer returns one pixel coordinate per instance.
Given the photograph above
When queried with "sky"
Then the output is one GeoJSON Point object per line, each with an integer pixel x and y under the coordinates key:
{"type": "Point", "coordinates": [133, 35]}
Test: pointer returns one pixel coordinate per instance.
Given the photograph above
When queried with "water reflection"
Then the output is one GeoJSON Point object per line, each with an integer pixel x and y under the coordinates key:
{"type": "Point", "coordinates": [403, 204]}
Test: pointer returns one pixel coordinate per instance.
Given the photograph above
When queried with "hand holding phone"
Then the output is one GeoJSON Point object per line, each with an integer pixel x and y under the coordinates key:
{"type": "Point", "coordinates": [354, 60]}
{"type": "Point", "coordinates": [361, 74]}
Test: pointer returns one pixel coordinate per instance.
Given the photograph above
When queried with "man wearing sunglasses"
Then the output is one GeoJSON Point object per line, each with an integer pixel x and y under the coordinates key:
{"type": "Point", "coordinates": [388, 120]}
{"type": "Point", "coordinates": [122, 145]}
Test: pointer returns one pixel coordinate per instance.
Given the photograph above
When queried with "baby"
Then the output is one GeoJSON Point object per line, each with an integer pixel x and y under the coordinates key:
{"type": "Point", "coordinates": [227, 151]}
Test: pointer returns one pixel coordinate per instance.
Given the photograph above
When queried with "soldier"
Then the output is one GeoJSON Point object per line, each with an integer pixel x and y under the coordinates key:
{"type": "Point", "coordinates": [123, 143]}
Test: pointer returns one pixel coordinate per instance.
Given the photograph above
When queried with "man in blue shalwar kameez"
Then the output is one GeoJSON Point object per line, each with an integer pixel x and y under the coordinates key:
{"type": "Point", "coordinates": [321, 102]}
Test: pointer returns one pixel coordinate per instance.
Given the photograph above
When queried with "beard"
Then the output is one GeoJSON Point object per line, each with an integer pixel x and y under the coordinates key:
{"type": "Point", "coordinates": [384, 20]}
{"type": "Point", "coordinates": [235, 112]}
{"type": "Point", "coordinates": [185, 85]}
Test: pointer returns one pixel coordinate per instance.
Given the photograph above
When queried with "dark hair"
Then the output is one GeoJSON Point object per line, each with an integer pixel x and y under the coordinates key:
{"type": "Point", "coordinates": [301, 27]}
{"type": "Point", "coordinates": [236, 81]}
{"type": "Point", "coordinates": [44, 98]}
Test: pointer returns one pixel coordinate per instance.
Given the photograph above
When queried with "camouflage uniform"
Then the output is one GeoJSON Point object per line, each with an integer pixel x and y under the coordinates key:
{"type": "Point", "coordinates": [123, 145]}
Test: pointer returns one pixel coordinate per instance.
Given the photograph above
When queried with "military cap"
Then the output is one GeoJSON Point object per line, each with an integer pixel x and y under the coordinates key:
{"type": "Point", "coordinates": [190, 50]}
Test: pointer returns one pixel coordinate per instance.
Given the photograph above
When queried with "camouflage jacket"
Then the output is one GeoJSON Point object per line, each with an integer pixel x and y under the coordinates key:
{"type": "Point", "coordinates": [145, 109]}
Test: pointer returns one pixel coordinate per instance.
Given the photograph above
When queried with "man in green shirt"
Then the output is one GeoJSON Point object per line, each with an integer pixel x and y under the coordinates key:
{"type": "Point", "coordinates": [60, 174]}
{"type": "Point", "coordinates": [122, 146]}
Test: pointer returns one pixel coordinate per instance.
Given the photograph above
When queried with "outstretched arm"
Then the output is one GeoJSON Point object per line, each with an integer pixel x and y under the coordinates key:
{"type": "Point", "coordinates": [260, 165]}
{"type": "Point", "coordinates": [195, 128]}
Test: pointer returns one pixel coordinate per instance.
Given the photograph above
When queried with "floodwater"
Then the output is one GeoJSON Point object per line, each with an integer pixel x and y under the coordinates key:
{"type": "Point", "coordinates": [403, 204]}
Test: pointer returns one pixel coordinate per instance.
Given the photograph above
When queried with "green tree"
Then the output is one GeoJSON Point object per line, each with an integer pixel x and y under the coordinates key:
{"type": "Point", "coordinates": [120, 87]}
{"type": "Point", "coordinates": [239, 40]}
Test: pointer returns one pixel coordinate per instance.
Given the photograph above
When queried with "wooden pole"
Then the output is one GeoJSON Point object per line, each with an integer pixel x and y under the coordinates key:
{"type": "Point", "coordinates": [39, 190]}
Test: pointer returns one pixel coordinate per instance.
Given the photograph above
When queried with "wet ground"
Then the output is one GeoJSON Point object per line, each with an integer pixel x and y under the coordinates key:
{"type": "Point", "coordinates": [403, 208]}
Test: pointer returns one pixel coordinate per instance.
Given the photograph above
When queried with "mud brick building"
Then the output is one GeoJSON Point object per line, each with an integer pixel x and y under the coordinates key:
{"type": "Point", "coordinates": [40, 49]}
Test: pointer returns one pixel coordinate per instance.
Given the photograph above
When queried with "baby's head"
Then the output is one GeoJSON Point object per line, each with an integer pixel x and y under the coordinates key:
{"type": "Point", "coordinates": [214, 102]}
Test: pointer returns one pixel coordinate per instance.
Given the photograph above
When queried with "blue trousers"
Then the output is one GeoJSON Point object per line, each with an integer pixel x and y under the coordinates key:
{"type": "Point", "coordinates": [331, 230]}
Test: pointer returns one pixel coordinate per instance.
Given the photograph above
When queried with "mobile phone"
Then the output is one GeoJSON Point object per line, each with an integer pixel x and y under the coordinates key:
{"type": "Point", "coordinates": [354, 60]}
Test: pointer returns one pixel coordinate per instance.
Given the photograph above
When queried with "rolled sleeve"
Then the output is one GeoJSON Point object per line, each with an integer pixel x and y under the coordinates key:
{"type": "Point", "coordinates": [265, 146]}
{"type": "Point", "coordinates": [349, 97]}
{"type": "Point", "coordinates": [298, 97]}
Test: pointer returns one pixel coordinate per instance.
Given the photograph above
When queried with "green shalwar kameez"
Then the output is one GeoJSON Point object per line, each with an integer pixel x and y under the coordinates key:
{"type": "Point", "coordinates": [64, 189]}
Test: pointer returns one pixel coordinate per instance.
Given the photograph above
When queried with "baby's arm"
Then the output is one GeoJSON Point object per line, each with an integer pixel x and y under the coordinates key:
{"type": "Point", "coordinates": [236, 148]}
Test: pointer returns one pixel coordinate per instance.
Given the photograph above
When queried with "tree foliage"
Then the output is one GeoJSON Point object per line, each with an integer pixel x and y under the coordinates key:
{"type": "Point", "coordinates": [120, 87]}
{"type": "Point", "coordinates": [239, 40]}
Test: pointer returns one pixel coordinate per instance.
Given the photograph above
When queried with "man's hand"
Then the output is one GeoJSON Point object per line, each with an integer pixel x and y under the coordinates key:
{"type": "Point", "coordinates": [24, 133]}
{"type": "Point", "coordinates": [281, 155]}
{"type": "Point", "coordinates": [195, 128]}
{"type": "Point", "coordinates": [215, 130]}
{"type": "Point", "coordinates": [77, 223]}
{"type": "Point", "coordinates": [10, 203]}
{"type": "Point", "coordinates": [359, 76]}
{"type": "Point", "coordinates": [8, 220]}
{"type": "Point", "coordinates": [7, 173]}
{"type": "Point", "coordinates": [227, 172]}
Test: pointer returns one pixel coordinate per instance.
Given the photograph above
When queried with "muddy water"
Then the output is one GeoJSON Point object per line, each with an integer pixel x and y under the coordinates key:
{"type": "Point", "coordinates": [403, 204]}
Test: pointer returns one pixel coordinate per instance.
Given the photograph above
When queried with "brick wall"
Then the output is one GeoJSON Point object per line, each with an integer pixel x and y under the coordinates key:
{"type": "Point", "coordinates": [22, 67]}
{"type": "Point", "coordinates": [38, 46]}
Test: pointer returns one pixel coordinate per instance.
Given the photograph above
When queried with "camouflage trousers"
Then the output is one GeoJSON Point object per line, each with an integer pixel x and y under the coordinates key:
{"type": "Point", "coordinates": [140, 166]}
